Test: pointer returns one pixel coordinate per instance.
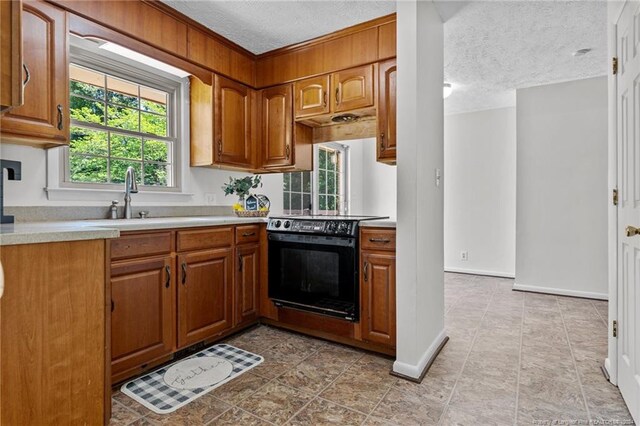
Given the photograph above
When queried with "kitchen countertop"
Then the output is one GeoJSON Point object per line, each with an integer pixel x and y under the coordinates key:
{"type": "Point", "coordinates": [379, 223]}
{"type": "Point", "coordinates": [46, 232]}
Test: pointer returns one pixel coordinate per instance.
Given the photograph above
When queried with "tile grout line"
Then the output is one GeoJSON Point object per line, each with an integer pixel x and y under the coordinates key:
{"type": "Point", "coordinates": [600, 315]}
{"type": "Point", "coordinates": [515, 418]}
{"type": "Point", "coordinates": [317, 395]}
{"type": "Point", "coordinates": [573, 360]}
{"type": "Point", "coordinates": [376, 406]}
{"type": "Point", "coordinates": [466, 358]}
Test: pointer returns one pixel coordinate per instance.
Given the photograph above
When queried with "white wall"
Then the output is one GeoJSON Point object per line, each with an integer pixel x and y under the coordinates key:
{"type": "Point", "coordinates": [420, 258]}
{"type": "Point", "coordinates": [562, 196]}
{"type": "Point", "coordinates": [373, 184]}
{"type": "Point", "coordinates": [480, 192]}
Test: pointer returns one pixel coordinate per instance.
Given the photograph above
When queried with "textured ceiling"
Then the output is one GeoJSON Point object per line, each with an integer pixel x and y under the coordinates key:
{"type": "Point", "coordinates": [260, 26]}
{"type": "Point", "coordinates": [493, 48]}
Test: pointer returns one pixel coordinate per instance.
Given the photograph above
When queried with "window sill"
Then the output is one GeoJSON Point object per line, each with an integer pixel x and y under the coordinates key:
{"type": "Point", "coordinates": [78, 194]}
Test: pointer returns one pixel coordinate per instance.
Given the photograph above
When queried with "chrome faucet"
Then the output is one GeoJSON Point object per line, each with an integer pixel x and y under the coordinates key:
{"type": "Point", "coordinates": [130, 187]}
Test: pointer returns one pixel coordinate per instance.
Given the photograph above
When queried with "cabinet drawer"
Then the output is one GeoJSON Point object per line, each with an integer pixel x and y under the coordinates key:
{"type": "Point", "coordinates": [140, 245]}
{"type": "Point", "coordinates": [247, 234]}
{"type": "Point", "coordinates": [377, 239]}
{"type": "Point", "coordinates": [205, 238]}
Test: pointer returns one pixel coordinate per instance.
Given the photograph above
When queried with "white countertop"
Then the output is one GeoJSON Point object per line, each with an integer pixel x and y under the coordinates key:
{"type": "Point", "coordinates": [45, 232]}
{"type": "Point", "coordinates": [379, 223]}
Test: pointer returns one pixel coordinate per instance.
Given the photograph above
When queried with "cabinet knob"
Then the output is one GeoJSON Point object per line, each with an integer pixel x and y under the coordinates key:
{"type": "Point", "coordinates": [288, 151]}
{"type": "Point", "coordinates": [167, 269]}
{"type": "Point", "coordinates": [184, 273]}
{"type": "Point", "coordinates": [381, 141]}
{"type": "Point", "coordinates": [27, 75]}
{"type": "Point", "coordinates": [324, 98]}
{"type": "Point", "coordinates": [337, 95]}
{"type": "Point", "coordinates": [219, 148]}
{"type": "Point", "coordinates": [365, 269]}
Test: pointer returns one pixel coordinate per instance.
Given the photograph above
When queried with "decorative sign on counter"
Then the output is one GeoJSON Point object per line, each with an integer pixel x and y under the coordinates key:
{"type": "Point", "coordinates": [251, 203]}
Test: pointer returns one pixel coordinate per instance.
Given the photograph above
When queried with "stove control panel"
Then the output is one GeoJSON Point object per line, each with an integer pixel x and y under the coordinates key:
{"type": "Point", "coordinates": [313, 226]}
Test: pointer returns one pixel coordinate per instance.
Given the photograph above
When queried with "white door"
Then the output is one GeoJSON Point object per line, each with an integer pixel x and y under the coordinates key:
{"type": "Point", "coordinates": [628, 141]}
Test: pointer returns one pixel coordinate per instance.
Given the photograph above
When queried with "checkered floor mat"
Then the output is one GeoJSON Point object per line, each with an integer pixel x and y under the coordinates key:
{"type": "Point", "coordinates": [151, 390]}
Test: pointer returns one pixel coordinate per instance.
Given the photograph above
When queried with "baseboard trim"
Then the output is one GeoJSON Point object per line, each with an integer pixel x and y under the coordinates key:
{"type": "Point", "coordinates": [560, 291]}
{"type": "Point", "coordinates": [416, 373]}
{"type": "Point", "coordinates": [480, 272]}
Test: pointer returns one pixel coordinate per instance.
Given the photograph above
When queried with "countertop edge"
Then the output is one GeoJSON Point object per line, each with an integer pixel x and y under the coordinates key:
{"type": "Point", "coordinates": [382, 223]}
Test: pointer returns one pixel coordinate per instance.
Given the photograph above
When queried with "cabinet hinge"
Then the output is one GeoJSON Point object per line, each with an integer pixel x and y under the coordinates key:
{"type": "Point", "coordinates": [614, 65]}
{"type": "Point", "coordinates": [615, 328]}
{"type": "Point", "coordinates": [614, 198]}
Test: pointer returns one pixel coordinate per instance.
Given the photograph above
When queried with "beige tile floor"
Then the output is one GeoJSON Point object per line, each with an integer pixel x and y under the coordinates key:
{"type": "Point", "coordinates": [513, 358]}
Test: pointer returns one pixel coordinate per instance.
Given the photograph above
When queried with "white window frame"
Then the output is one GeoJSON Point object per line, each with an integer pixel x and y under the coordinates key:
{"type": "Point", "coordinates": [344, 183]}
{"type": "Point", "coordinates": [86, 53]}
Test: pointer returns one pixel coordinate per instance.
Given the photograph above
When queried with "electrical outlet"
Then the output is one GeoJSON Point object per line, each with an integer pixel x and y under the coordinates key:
{"type": "Point", "coordinates": [210, 198]}
{"type": "Point", "coordinates": [464, 255]}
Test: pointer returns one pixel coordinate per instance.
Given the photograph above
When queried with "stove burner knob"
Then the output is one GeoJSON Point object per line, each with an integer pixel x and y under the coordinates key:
{"type": "Point", "coordinates": [287, 224]}
{"type": "Point", "coordinates": [277, 223]}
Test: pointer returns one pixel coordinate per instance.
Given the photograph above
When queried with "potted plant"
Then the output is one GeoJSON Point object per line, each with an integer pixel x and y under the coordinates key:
{"type": "Point", "coordinates": [242, 188]}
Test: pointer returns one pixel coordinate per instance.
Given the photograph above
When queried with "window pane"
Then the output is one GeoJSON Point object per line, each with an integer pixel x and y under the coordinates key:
{"type": "Point", "coordinates": [286, 201]}
{"type": "Point", "coordinates": [296, 201]}
{"type": "Point", "coordinates": [154, 124]}
{"type": "Point", "coordinates": [85, 89]}
{"type": "Point", "coordinates": [323, 159]}
{"type": "Point", "coordinates": [87, 76]}
{"type": "Point", "coordinates": [122, 99]}
{"type": "Point", "coordinates": [156, 174]}
{"type": "Point", "coordinates": [323, 202]}
{"type": "Point", "coordinates": [286, 182]}
{"type": "Point", "coordinates": [86, 110]}
{"type": "Point", "coordinates": [87, 169]}
{"type": "Point", "coordinates": [122, 86]}
{"type": "Point", "coordinates": [331, 160]}
{"type": "Point", "coordinates": [157, 151]}
{"type": "Point", "coordinates": [126, 147]}
{"type": "Point", "coordinates": [296, 184]}
{"type": "Point", "coordinates": [322, 182]}
{"type": "Point", "coordinates": [119, 170]}
{"type": "Point", "coordinates": [306, 182]}
{"type": "Point", "coordinates": [331, 183]}
{"type": "Point", "coordinates": [153, 95]}
{"type": "Point", "coordinates": [153, 107]}
{"type": "Point", "coordinates": [306, 201]}
{"type": "Point", "coordinates": [122, 118]}
{"type": "Point", "coordinates": [88, 142]}
{"type": "Point", "coordinates": [331, 202]}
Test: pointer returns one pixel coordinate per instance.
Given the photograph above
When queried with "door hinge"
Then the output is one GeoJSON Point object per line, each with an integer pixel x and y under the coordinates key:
{"type": "Point", "coordinates": [614, 198]}
{"type": "Point", "coordinates": [614, 65]}
{"type": "Point", "coordinates": [615, 328]}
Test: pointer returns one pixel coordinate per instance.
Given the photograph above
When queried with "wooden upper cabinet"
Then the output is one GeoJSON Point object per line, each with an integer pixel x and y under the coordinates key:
{"type": "Point", "coordinates": [277, 127]}
{"type": "Point", "coordinates": [312, 96]}
{"type": "Point", "coordinates": [353, 89]}
{"type": "Point", "coordinates": [232, 123]}
{"type": "Point", "coordinates": [205, 295]}
{"type": "Point", "coordinates": [142, 312]}
{"type": "Point", "coordinates": [387, 83]}
{"type": "Point", "coordinates": [44, 116]}
{"type": "Point", "coordinates": [378, 297]}
{"type": "Point", "coordinates": [11, 71]}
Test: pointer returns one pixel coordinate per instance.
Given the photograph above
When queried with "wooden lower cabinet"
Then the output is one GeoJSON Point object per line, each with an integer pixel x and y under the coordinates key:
{"type": "Point", "coordinates": [205, 295]}
{"type": "Point", "coordinates": [142, 312]}
{"type": "Point", "coordinates": [52, 334]}
{"type": "Point", "coordinates": [378, 297]}
{"type": "Point", "coordinates": [247, 288]}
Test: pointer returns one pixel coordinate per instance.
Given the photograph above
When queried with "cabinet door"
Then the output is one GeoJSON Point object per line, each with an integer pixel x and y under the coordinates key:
{"type": "Point", "coordinates": [311, 96]}
{"type": "Point", "coordinates": [142, 311]}
{"type": "Point", "coordinates": [11, 82]}
{"type": "Point", "coordinates": [378, 297]}
{"type": "Point", "coordinates": [44, 114]}
{"type": "Point", "coordinates": [232, 123]}
{"type": "Point", "coordinates": [387, 74]}
{"type": "Point", "coordinates": [204, 295]}
{"type": "Point", "coordinates": [353, 89]}
{"type": "Point", "coordinates": [277, 127]}
{"type": "Point", "coordinates": [247, 283]}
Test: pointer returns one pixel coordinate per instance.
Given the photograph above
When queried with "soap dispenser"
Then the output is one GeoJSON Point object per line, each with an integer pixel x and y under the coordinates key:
{"type": "Point", "coordinates": [113, 210]}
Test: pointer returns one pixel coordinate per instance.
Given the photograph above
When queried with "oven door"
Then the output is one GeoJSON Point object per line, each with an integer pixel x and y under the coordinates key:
{"type": "Point", "coordinates": [314, 273]}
